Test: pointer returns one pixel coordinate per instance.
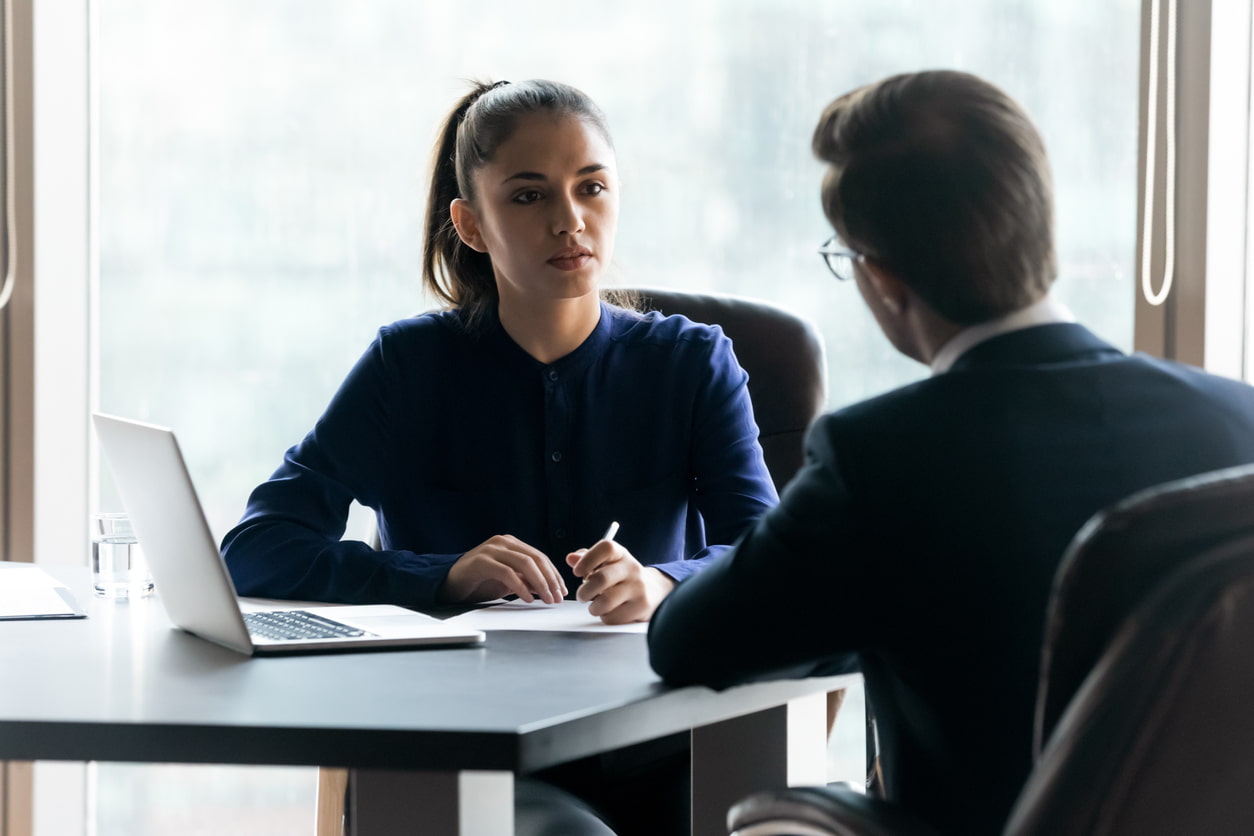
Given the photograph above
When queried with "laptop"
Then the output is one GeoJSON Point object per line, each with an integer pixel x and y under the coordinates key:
{"type": "Point", "coordinates": [192, 580]}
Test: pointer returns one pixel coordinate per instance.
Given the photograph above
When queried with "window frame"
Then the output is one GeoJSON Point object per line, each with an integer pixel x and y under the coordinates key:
{"type": "Point", "coordinates": [1203, 320]}
{"type": "Point", "coordinates": [16, 361]}
{"type": "Point", "coordinates": [45, 353]}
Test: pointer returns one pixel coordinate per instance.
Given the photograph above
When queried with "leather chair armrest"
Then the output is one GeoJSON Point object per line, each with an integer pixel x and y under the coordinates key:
{"type": "Point", "coordinates": [807, 811]}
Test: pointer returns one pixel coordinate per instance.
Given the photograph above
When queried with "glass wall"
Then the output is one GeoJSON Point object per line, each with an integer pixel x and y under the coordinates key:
{"type": "Point", "coordinates": [261, 173]}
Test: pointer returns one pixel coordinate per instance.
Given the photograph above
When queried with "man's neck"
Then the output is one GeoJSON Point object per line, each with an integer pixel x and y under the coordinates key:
{"type": "Point", "coordinates": [1041, 312]}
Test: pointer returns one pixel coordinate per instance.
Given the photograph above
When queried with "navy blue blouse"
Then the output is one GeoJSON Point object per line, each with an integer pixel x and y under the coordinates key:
{"type": "Point", "coordinates": [453, 436]}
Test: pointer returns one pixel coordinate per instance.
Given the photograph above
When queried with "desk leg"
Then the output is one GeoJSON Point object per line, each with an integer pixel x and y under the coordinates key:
{"type": "Point", "coordinates": [17, 798]}
{"type": "Point", "coordinates": [784, 746]}
{"type": "Point", "coordinates": [395, 803]}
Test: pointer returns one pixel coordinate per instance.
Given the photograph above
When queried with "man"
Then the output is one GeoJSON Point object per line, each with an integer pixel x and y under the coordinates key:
{"type": "Point", "coordinates": [923, 533]}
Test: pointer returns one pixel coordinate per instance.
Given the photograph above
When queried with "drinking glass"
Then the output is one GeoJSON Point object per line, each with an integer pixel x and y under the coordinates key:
{"type": "Point", "coordinates": [118, 569]}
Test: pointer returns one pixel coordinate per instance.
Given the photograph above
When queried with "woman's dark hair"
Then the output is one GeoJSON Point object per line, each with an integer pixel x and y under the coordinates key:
{"type": "Point", "coordinates": [484, 119]}
{"type": "Point", "coordinates": [942, 178]}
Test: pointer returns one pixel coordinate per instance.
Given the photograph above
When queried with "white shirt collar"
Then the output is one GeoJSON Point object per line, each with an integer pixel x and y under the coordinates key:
{"type": "Point", "coordinates": [1041, 312]}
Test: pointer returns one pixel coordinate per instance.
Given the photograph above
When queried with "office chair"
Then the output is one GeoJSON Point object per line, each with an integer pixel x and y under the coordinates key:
{"type": "Point", "coordinates": [784, 358]}
{"type": "Point", "coordinates": [1143, 723]}
{"type": "Point", "coordinates": [783, 355]}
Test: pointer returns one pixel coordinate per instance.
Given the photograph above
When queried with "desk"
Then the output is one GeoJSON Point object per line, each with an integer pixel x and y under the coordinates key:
{"type": "Point", "coordinates": [433, 737]}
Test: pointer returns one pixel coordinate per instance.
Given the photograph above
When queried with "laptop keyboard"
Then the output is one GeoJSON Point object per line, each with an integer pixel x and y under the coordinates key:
{"type": "Point", "coordinates": [288, 625]}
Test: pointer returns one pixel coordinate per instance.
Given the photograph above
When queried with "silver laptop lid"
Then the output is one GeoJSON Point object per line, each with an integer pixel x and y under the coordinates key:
{"type": "Point", "coordinates": [158, 493]}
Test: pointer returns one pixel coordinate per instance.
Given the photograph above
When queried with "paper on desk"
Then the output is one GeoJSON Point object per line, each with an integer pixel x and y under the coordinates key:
{"type": "Point", "coordinates": [564, 616]}
{"type": "Point", "coordinates": [27, 591]}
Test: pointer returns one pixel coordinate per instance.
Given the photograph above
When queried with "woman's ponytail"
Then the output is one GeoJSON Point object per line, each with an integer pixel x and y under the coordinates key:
{"type": "Point", "coordinates": [452, 271]}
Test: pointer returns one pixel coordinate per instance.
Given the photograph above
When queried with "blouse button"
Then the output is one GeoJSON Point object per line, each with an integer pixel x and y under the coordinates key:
{"type": "Point", "coordinates": [557, 455]}
{"type": "Point", "coordinates": [553, 375]}
{"type": "Point", "coordinates": [560, 534]}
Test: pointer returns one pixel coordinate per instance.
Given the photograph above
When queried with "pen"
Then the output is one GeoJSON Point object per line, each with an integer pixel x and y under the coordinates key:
{"type": "Point", "coordinates": [611, 531]}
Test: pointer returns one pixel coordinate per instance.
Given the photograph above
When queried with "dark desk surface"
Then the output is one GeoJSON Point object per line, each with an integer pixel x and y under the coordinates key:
{"type": "Point", "coordinates": [124, 685]}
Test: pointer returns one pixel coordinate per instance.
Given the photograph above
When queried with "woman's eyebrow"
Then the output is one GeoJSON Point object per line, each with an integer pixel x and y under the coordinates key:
{"type": "Point", "coordinates": [537, 176]}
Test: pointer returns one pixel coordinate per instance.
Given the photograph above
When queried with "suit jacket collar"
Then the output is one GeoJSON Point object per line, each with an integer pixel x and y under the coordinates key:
{"type": "Point", "coordinates": [1055, 343]}
{"type": "Point", "coordinates": [1041, 312]}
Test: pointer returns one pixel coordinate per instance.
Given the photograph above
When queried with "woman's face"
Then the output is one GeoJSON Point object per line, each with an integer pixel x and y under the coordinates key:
{"type": "Point", "coordinates": [545, 210]}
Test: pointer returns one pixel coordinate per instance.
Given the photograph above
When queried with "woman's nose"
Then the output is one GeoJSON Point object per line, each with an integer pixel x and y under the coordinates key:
{"type": "Point", "coordinates": [568, 217]}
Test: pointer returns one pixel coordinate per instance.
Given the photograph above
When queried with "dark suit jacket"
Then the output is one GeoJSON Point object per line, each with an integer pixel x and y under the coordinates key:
{"type": "Point", "coordinates": [923, 534]}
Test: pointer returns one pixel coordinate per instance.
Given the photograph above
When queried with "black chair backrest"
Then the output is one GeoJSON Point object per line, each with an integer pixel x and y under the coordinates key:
{"type": "Point", "coordinates": [1120, 557]}
{"type": "Point", "coordinates": [1159, 740]}
{"type": "Point", "coordinates": [781, 352]}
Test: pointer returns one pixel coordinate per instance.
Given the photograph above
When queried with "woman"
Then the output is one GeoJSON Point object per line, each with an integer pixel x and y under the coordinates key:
{"type": "Point", "coordinates": [495, 438]}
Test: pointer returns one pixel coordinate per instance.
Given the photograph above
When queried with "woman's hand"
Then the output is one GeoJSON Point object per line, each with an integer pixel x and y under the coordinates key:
{"type": "Point", "coordinates": [619, 587]}
{"type": "Point", "coordinates": [499, 566]}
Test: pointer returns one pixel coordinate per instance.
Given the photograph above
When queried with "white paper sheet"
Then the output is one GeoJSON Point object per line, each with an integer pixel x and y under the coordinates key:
{"type": "Point", "coordinates": [564, 616]}
{"type": "Point", "coordinates": [27, 591]}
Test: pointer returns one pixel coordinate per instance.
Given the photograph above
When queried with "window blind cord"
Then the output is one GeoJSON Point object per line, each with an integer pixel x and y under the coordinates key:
{"type": "Point", "coordinates": [10, 202]}
{"type": "Point", "coordinates": [1151, 153]}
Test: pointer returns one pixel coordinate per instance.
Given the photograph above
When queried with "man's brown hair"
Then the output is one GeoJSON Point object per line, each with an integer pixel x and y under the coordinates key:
{"type": "Point", "coordinates": [942, 179]}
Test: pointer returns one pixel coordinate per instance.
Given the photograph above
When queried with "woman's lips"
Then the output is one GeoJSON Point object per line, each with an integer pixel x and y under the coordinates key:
{"type": "Point", "coordinates": [571, 258]}
{"type": "Point", "coordinates": [573, 262]}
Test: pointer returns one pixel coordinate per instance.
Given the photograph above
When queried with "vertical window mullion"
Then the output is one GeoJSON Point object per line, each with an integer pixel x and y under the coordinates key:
{"type": "Point", "coordinates": [1195, 56]}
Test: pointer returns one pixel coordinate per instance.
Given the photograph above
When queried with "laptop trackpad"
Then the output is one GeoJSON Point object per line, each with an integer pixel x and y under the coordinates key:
{"type": "Point", "coordinates": [380, 619]}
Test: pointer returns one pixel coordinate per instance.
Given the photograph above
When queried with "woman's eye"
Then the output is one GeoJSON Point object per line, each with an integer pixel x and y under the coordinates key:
{"type": "Point", "coordinates": [594, 188]}
{"type": "Point", "coordinates": [529, 196]}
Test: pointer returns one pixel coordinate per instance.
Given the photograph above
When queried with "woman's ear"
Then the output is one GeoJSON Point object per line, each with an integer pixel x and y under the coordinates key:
{"type": "Point", "coordinates": [467, 224]}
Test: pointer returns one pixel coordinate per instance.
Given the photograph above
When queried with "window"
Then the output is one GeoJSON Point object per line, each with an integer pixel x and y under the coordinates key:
{"type": "Point", "coordinates": [262, 171]}
{"type": "Point", "coordinates": [259, 173]}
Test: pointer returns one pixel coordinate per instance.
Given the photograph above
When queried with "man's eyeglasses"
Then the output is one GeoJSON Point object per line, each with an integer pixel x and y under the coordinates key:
{"type": "Point", "coordinates": [839, 258]}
